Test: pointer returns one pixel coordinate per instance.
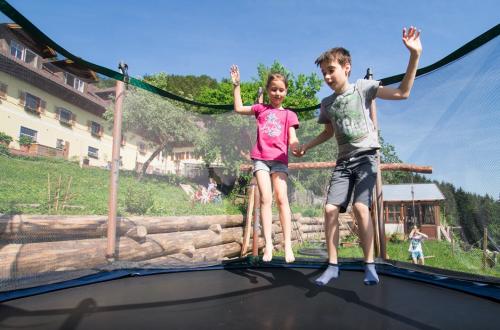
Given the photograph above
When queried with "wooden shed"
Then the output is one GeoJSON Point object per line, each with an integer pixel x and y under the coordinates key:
{"type": "Point", "coordinates": [406, 205]}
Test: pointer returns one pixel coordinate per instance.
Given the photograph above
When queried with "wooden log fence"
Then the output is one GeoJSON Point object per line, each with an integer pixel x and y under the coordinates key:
{"type": "Point", "coordinates": [31, 244]}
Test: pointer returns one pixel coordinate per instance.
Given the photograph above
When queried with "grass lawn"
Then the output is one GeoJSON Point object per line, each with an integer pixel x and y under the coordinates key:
{"type": "Point", "coordinates": [24, 182]}
{"type": "Point", "coordinates": [441, 252]}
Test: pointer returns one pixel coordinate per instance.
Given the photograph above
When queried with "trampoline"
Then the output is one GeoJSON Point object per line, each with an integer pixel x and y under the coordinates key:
{"type": "Point", "coordinates": [185, 273]}
{"type": "Point", "coordinates": [269, 296]}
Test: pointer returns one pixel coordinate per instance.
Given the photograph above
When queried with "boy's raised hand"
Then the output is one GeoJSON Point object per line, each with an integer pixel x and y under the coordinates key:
{"type": "Point", "coordinates": [411, 39]}
{"type": "Point", "coordinates": [235, 74]}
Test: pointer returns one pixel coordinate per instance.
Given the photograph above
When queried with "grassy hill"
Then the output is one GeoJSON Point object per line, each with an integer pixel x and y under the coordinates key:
{"type": "Point", "coordinates": [24, 185]}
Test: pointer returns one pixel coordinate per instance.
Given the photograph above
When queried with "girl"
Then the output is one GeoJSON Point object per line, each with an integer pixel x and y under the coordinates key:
{"type": "Point", "coordinates": [275, 132]}
{"type": "Point", "coordinates": [416, 237]}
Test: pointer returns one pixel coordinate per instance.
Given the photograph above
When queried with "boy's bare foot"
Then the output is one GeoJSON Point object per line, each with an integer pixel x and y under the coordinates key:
{"type": "Point", "coordinates": [289, 257]}
{"type": "Point", "coordinates": [268, 254]}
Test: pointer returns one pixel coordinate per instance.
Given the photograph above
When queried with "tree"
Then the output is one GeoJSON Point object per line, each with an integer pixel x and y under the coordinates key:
{"type": "Point", "coordinates": [186, 86]}
{"type": "Point", "coordinates": [158, 121]}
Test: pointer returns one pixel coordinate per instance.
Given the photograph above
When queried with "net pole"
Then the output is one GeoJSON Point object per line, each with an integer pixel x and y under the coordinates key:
{"type": "Point", "coordinates": [115, 167]}
{"type": "Point", "coordinates": [379, 227]}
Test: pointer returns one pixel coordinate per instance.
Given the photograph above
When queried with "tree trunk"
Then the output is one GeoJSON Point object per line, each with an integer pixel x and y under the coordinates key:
{"type": "Point", "coordinates": [150, 159]}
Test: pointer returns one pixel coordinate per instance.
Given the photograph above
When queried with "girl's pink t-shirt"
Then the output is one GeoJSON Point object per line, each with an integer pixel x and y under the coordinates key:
{"type": "Point", "coordinates": [272, 132]}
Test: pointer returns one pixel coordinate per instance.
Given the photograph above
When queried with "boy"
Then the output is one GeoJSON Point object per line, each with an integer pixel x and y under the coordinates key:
{"type": "Point", "coordinates": [345, 114]}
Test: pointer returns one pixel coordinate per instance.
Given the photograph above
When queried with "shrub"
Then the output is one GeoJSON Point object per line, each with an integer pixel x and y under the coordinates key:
{"type": "Point", "coordinates": [4, 150]}
{"type": "Point", "coordinates": [25, 140]}
{"type": "Point", "coordinates": [397, 238]}
{"type": "Point", "coordinates": [5, 139]}
{"type": "Point", "coordinates": [137, 200]}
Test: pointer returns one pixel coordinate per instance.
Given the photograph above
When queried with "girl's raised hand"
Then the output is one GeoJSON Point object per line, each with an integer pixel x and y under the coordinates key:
{"type": "Point", "coordinates": [235, 74]}
{"type": "Point", "coordinates": [411, 39]}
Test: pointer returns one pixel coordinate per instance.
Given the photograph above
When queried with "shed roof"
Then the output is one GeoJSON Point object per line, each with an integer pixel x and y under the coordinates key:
{"type": "Point", "coordinates": [403, 192]}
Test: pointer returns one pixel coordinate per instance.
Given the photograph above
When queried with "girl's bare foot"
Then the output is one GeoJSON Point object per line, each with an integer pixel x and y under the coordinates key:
{"type": "Point", "coordinates": [289, 257]}
{"type": "Point", "coordinates": [268, 254]}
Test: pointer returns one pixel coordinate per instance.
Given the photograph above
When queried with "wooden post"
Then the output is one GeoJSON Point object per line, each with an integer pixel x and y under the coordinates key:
{"type": "Point", "coordinates": [485, 246]}
{"type": "Point", "coordinates": [115, 166]}
{"type": "Point", "coordinates": [379, 228]}
{"type": "Point", "coordinates": [452, 243]}
{"type": "Point", "coordinates": [256, 222]}
{"type": "Point", "coordinates": [248, 224]}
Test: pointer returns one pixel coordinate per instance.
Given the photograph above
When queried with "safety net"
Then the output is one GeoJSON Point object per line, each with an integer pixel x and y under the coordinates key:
{"type": "Point", "coordinates": [185, 194]}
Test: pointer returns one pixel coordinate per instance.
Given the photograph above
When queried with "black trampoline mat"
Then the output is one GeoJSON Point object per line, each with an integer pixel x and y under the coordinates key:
{"type": "Point", "coordinates": [273, 298]}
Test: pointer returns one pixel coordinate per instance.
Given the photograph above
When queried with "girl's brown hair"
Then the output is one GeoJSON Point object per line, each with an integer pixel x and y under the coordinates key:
{"type": "Point", "coordinates": [276, 76]}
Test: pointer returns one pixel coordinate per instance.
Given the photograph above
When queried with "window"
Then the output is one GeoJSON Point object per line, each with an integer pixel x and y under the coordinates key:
{"type": "Point", "coordinates": [142, 147]}
{"type": "Point", "coordinates": [74, 82]}
{"type": "Point", "coordinates": [180, 155]}
{"type": "Point", "coordinates": [427, 214]}
{"type": "Point", "coordinates": [93, 152]}
{"type": "Point", "coordinates": [31, 102]}
{"type": "Point", "coordinates": [30, 57]}
{"type": "Point", "coordinates": [392, 213]}
{"type": "Point", "coordinates": [3, 90]}
{"type": "Point", "coordinates": [28, 132]}
{"type": "Point", "coordinates": [22, 53]}
{"type": "Point", "coordinates": [16, 50]}
{"type": "Point", "coordinates": [95, 129]}
{"type": "Point", "coordinates": [65, 116]}
{"type": "Point", "coordinates": [60, 144]}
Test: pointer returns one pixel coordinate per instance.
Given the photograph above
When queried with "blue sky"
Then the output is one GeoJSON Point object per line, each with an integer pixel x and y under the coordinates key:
{"type": "Point", "coordinates": [206, 37]}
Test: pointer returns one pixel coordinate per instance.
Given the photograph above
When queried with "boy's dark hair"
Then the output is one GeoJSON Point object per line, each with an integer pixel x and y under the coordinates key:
{"type": "Point", "coordinates": [276, 76]}
{"type": "Point", "coordinates": [339, 54]}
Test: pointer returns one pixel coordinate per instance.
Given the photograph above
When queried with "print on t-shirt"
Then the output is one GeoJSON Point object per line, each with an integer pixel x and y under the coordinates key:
{"type": "Point", "coordinates": [347, 111]}
{"type": "Point", "coordinates": [272, 126]}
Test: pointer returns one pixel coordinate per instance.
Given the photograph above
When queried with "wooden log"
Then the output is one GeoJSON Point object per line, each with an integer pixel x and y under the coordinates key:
{"type": "Point", "coordinates": [313, 236]}
{"type": "Point", "coordinates": [212, 253]}
{"type": "Point", "coordinates": [186, 223]}
{"type": "Point", "coordinates": [320, 165]}
{"type": "Point", "coordinates": [311, 220]}
{"type": "Point", "coordinates": [36, 228]}
{"type": "Point", "coordinates": [312, 228]}
{"type": "Point", "coordinates": [137, 233]}
{"type": "Point", "coordinates": [216, 228]}
{"type": "Point", "coordinates": [32, 258]}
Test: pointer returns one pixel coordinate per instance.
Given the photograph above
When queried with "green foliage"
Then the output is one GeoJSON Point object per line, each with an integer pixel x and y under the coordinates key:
{"type": "Point", "coordinates": [5, 138]}
{"type": "Point", "coordinates": [4, 150]}
{"type": "Point", "coordinates": [157, 120]}
{"type": "Point", "coordinates": [25, 140]}
{"type": "Point", "coordinates": [186, 86]}
{"type": "Point", "coordinates": [301, 89]}
{"type": "Point", "coordinates": [138, 200]}
{"type": "Point", "coordinates": [396, 238]}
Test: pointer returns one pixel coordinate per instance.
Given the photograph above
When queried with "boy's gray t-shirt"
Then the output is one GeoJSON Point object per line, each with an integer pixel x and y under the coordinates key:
{"type": "Point", "coordinates": [349, 114]}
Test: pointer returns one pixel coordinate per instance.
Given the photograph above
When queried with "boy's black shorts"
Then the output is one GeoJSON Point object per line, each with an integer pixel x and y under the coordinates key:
{"type": "Point", "coordinates": [354, 177]}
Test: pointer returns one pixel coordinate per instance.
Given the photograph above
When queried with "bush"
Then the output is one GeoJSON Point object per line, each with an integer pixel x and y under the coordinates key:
{"type": "Point", "coordinates": [397, 238]}
{"type": "Point", "coordinates": [138, 201]}
{"type": "Point", "coordinates": [25, 140]}
{"type": "Point", "coordinates": [5, 139]}
{"type": "Point", "coordinates": [4, 150]}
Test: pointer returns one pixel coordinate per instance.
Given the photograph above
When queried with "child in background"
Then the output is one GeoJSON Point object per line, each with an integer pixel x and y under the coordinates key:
{"type": "Point", "coordinates": [275, 133]}
{"type": "Point", "coordinates": [416, 237]}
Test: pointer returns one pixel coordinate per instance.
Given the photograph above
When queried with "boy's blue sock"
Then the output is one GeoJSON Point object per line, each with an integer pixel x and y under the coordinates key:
{"type": "Point", "coordinates": [331, 272]}
{"type": "Point", "coordinates": [371, 277]}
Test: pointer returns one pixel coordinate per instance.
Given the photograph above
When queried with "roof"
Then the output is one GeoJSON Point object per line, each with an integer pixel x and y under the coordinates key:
{"type": "Point", "coordinates": [76, 69]}
{"type": "Point", "coordinates": [39, 47]}
{"type": "Point", "coordinates": [403, 192]}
